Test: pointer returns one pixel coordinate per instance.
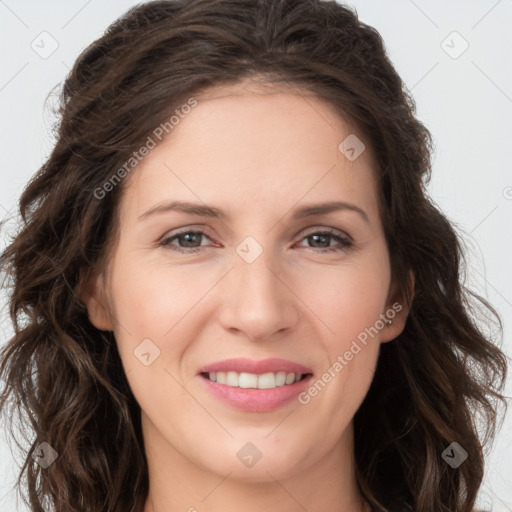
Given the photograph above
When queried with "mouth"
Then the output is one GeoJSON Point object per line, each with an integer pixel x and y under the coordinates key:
{"type": "Point", "coordinates": [269, 380]}
{"type": "Point", "coordinates": [255, 386]}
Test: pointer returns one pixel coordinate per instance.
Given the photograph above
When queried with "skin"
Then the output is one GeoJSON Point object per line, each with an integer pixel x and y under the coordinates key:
{"type": "Point", "coordinates": [258, 155]}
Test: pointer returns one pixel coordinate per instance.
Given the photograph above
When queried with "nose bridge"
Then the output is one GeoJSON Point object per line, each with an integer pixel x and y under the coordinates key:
{"type": "Point", "coordinates": [255, 274]}
{"type": "Point", "coordinates": [256, 301]}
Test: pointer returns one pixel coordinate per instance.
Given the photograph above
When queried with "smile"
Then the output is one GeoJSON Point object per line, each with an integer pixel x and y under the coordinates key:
{"type": "Point", "coordinates": [255, 385]}
{"type": "Point", "coordinates": [245, 380]}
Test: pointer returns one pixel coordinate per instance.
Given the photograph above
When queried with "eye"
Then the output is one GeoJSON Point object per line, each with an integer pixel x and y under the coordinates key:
{"type": "Point", "coordinates": [188, 239]}
{"type": "Point", "coordinates": [322, 240]}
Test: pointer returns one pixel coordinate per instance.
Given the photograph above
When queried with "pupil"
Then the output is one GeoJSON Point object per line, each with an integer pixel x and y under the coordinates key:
{"type": "Point", "coordinates": [315, 237]}
{"type": "Point", "coordinates": [189, 241]}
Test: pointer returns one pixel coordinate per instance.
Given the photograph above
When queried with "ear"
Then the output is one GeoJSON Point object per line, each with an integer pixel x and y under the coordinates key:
{"type": "Point", "coordinates": [93, 296]}
{"type": "Point", "coordinates": [396, 312]}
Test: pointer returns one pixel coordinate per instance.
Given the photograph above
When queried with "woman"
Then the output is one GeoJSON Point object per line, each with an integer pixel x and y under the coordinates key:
{"type": "Point", "coordinates": [230, 284]}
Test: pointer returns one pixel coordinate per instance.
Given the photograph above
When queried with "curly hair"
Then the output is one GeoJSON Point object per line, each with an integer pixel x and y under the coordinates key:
{"type": "Point", "coordinates": [439, 382]}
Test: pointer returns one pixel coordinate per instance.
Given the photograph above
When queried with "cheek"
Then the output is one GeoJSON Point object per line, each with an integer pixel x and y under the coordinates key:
{"type": "Point", "coordinates": [166, 304]}
{"type": "Point", "coordinates": [154, 327]}
{"type": "Point", "coordinates": [152, 299]}
{"type": "Point", "coordinates": [348, 299]}
{"type": "Point", "coordinates": [153, 303]}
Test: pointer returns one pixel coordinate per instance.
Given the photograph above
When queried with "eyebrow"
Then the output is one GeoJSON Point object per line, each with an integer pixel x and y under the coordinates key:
{"type": "Point", "coordinates": [210, 211]}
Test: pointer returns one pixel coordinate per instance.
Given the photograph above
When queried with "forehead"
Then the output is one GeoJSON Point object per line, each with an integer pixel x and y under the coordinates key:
{"type": "Point", "coordinates": [243, 145]}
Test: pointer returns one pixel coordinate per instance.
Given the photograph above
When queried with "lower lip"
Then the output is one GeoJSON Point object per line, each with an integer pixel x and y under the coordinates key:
{"type": "Point", "coordinates": [256, 400]}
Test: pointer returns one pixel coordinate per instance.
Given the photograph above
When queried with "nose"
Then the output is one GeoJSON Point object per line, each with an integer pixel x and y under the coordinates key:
{"type": "Point", "coordinates": [258, 302]}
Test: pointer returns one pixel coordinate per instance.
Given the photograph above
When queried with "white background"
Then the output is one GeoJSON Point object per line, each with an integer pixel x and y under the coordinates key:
{"type": "Point", "coordinates": [466, 102]}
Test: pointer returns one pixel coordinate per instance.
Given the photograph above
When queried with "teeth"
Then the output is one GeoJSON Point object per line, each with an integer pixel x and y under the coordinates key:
{"type": "Point", "coordinates": [250, 380]}
{"type": "Point", "coordinates": [267, 381]}
{"type": "Point", "coordinates": [281, 378]}
{"type": "Point", "coordinates": [247, 380]}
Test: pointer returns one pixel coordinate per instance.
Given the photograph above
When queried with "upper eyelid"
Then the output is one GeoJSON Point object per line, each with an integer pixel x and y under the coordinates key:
{"type": "Point", "coordinates": [184, 231]}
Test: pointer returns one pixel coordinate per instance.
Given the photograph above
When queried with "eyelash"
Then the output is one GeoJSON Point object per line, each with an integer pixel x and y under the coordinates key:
{"type": "Point", "coordinates": [345, 242]}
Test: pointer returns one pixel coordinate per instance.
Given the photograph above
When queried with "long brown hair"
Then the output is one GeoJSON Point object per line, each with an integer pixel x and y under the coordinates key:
{"type": "Point", "coordinates": [439, 382]}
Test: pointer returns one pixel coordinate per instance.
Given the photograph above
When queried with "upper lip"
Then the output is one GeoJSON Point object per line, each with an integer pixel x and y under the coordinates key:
{"type": "Point", "coordinates": [243, 365]}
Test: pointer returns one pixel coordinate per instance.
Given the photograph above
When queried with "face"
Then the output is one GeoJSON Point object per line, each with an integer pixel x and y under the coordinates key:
{"type": "Point", "coordinates": [252, 272]}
